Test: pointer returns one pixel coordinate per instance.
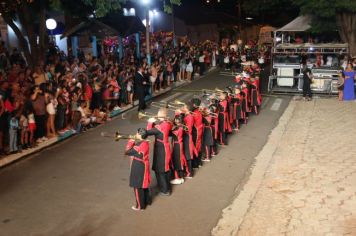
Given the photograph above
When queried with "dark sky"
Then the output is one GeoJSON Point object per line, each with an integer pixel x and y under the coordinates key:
{"type": "Point", "coordinates": [198, 11]}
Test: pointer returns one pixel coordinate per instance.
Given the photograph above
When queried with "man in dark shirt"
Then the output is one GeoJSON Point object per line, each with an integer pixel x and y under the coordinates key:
{"type": "Point", "coordinates": [140, 84]}
{"type": "Point", "coordinates": [307, 79]}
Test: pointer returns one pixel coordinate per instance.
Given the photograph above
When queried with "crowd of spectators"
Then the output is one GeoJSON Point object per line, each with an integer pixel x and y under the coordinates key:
{"type": "Point", "coordinates": [67, 94]}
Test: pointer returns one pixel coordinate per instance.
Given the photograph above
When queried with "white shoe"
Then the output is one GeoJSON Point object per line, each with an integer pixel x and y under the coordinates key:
{"type": "Point", "coordinates": [117, 108]}
{"type": "Point", "coordinates": [44, 139]}
{"type": "Point", "coordinates": [181, 180]}
{"type": "Point", "coordinates": [176, 181]}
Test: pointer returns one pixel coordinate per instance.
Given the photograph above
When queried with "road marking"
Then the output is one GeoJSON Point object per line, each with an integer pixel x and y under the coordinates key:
{"type": "Point", "coordinates": [171, 97]}
{"type": "Point", "coordinates": [265, 102]}
{"type": "Point", "coordinates": [276, 105]}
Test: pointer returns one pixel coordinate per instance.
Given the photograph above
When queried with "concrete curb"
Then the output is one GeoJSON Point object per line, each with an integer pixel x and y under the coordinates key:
{"type": "Point", "coordinates": [233, 215]}
{"type": "Point", "coordinates": [25, 153]}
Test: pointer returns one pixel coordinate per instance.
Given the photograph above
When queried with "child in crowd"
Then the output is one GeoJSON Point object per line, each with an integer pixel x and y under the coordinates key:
{"type": "Point", "coordinates": [24, 131]}
{"type": "Point", "coordinates": [14, 126]}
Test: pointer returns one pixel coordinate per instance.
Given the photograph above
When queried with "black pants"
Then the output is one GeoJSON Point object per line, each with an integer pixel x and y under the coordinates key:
{"type": "Point", "coordinates": [141, 101]}
{"type": "Point", "coordinates": [197, 162]}
{"type": "Point", "coordinates": [163, 182]}
{"type": "Point", "coordinates": [143, 198]}
{"type": "Point", "coordinates": [222, 138]}
{"type": "Point", "coordinates": [189, 171]}
{"type": "Point", "coordinates": [40, 126]}
{"type": "Point", "coordinates": [306, 89]}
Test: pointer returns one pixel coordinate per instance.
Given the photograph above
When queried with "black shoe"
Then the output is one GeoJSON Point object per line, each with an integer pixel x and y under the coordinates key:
{"type": "Point", "coordinates": [164, 194]}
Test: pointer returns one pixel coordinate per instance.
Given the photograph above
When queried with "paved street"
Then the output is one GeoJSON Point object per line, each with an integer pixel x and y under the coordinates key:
{"type": "Point", "coordinates": [303, 182]}
{"type": "Point", "coordinates": [80, 186]}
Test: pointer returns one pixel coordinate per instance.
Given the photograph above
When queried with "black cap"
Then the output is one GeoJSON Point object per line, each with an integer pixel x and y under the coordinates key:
{"type": "Point", "coordinates": [142, 132]}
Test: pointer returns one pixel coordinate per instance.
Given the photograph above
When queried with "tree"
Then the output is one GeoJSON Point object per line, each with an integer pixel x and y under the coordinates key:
{"type": "Point", "coordinates": [22, 16]}
{"type": "Point", "coordinates": [333, 15]}
{"type": "Point", "coordinates": [267, 10]}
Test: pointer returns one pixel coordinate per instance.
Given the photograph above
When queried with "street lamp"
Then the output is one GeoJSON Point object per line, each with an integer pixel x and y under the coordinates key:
{"type": "Point", "coordinates": [146, 3]}
{"type": "Point", "coordinates": [51, 24]}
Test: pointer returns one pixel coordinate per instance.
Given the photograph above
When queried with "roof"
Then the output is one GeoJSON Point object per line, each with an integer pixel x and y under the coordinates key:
{"type": "Point", "coordinates": [299, 24]}
{"type": "Point", "coordinates": [111, 25]}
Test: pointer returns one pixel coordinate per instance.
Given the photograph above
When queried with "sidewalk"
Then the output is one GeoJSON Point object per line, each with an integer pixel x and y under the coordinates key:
{"type": "Point", "coordinates": [304, 179]}
{"type": "Point", "coordinates": [15, 157]}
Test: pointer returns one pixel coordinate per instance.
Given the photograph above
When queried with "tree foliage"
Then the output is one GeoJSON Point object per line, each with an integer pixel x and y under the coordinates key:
{"type": "Point", "coordinates": [23, 16]}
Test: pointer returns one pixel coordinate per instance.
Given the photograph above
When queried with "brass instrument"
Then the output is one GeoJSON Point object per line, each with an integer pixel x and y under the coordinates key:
{"type": "Point", "coordinates": [142, 115]}
{"type": "Point", "coordinates": [119, 136]}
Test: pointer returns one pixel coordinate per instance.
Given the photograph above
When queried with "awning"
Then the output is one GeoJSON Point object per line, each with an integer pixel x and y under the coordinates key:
{"type": "Point", "coordinates": [91, 27]}
{"type": "Point", "coordinates": [111, 25]}
{"type": "Point", "coordinates": [300, 24]}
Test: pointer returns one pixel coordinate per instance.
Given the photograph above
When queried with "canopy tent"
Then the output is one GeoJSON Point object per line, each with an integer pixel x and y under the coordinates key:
{"type": "Point", "coordinates": [111, 25]}
{"type": "Point", "coordinates": [301, 23]}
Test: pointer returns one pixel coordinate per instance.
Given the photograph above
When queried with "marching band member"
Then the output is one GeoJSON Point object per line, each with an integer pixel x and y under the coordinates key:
{"type": "Point", "coordinates": [238, 111]}
{"type": "Point", "coordinates": [197, 131]}
{"type": "Point", "coordinates": [162, 150]}
{"type": "Point", "coordinates": [224, 123]}
{"type": "Point", "coordinates": [214, 124]}
{"type": "Point", "coordinates": [255, 95]}
{"type": "Point", "coordinates": [245, 101]}
{"type": "Point", "coordinates": [178, 158]}
{"type": "Point", "coordinates": [208, 134]}
{"type": "Point", "coordinates": [140, 177]}
{"type": "Point", "coordinates": [188, 143]}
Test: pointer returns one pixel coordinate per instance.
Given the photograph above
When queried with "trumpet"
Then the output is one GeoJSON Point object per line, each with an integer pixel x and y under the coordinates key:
{"type": "Point", "coordinates": [118, 136]}
{"type": "Point", "coordinates": [142, 115]}
{"type": "Point", "coordinates": [185, 128]}
{"type": "Point", "coordinates": [179, 103]}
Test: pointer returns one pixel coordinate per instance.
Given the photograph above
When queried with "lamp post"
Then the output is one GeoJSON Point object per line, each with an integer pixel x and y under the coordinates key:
{"type": "Point", "coordinates": [51, 24]}
{"type": "Point", "coordinates": [148, 51]}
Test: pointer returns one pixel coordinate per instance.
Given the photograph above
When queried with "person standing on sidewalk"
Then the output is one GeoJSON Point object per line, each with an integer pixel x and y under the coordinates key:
{"type": "Point", "coordinates": [140, 84]}
{"type": "Point", "coordinates": [307, 80]}
{"type": "Point", "coordinates": [349, 83]}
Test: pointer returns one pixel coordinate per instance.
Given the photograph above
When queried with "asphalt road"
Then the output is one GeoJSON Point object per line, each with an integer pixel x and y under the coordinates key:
{"type": "Point", "coordinates": [80, 186]}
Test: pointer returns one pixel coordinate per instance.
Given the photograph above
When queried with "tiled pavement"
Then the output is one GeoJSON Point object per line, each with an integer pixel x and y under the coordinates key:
{"type": "Point", "coordinates": [309, 184]}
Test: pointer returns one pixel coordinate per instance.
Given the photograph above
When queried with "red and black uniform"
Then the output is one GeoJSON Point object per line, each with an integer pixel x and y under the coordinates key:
{"type": "Point", "coordinates": [178, 158]}
{"type": "Point", "coordinates": [140, 177]}
{"type": "Point", "coordinates": [215, 128]}
{"type": "Point", "coordinates": [197, 135]}
{"type": "Point", "coordinates": [245, 102]}
{"type": "Point", "coordinates": [161, 153]}
{"type": "Point", "coordinates": [208, 137]}
{"type": "Point", "coordinates": [238, 111]}
{"type": "Point", "coordinates": [256, 98]}
{"type": "Point", "coordinates": [224, 126]}
{"type": "Point", "coordinates": [188, 143]}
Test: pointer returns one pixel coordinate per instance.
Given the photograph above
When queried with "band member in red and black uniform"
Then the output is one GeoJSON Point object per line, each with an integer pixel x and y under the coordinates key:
{"type": "Point", "coordinates": [246, 100]}
{"type": "Point", "coordinates": [197, 131]}
{"type": "Point", "coordinates": [178, 158]}
{"type": "Point", "coordinates": [238, 111]}
{"type": "Point", "coordinates": [255, 96]}
{"type": "Point", "coordinates": [188, 143]}
{"type": "Point", "coordinates": [161, 129]}
{"type": "Point", "coordinates": [224, 123]}
{"type": "Point", "coordinates": [213, 107]}
{"type": "Point", "coordinates": [208, 134]}
{"type": "Point", "coordinates": [140, 177]}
